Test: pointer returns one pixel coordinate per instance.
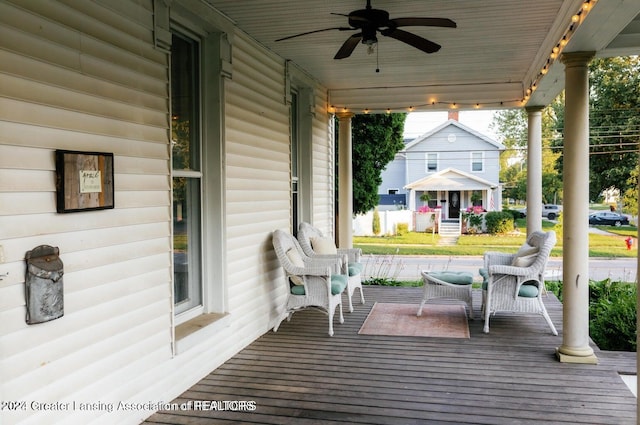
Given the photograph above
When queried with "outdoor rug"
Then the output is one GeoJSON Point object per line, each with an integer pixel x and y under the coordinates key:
{"type": "Point", "coordinates": [437, 320]}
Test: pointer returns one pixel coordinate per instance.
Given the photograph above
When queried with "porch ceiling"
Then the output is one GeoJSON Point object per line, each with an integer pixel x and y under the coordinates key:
{"type": "Point", "coordinates": [489, 61]}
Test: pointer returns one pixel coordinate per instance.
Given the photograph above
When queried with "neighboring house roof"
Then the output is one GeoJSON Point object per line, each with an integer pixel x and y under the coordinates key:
{"type": "Point", "coordinates": [456, 123]}
{"type": "Point", "coordinates": [451, 179]}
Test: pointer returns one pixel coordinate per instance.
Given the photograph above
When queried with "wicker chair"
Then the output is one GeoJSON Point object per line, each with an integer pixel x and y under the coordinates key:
{"type": "Point", "coordinates": [447, 285]}
{"type": "Point", "coordinates": [310, 282]}
{"type": "Point", "coordinates": [514, 283]}
{"type": "Point", "coordinates": [308, 236]}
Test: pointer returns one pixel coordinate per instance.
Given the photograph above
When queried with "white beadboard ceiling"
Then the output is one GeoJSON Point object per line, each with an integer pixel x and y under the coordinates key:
{"type": "Point", "coordinates": [496, 52]}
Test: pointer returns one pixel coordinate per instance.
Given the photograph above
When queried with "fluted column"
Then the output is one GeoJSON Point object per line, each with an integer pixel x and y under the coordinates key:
{"type": "Point", "coordinates": [534, 169]}
{"type": "Point", "coordinates": [575, 283]}
{"type": "Point", "coordinates": [345, 181]}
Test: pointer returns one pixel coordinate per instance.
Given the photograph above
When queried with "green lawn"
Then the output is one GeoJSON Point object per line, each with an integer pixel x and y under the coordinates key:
{"type": "Point", "coordinates": [414, 243]}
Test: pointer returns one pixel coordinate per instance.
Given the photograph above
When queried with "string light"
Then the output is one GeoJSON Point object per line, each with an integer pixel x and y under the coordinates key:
{"type": "Point", "coordinates": [556, 51]}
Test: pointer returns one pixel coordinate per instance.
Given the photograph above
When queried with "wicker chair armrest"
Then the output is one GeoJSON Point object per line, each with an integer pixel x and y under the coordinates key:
{"type": "Point", "coordinates": [353, 254]}
{"type": "Point", "coordinates": [511, 270]}
{"type": "Point", "coordinates": [336, 263]}
{"type": "Point", "coordinates": [497, 258]}
{"type": "Point", "coordinates": [323, 270]}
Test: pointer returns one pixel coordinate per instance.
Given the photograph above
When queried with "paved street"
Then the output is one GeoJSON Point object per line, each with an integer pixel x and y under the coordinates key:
{"type": "Point", "coordinates": [409, 267]}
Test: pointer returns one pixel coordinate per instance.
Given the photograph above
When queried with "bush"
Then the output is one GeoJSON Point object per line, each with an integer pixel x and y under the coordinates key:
{"type": "Point", "coordinates": [402, 229]}
{"type": "Point", "coordinates": [499, 222]}
{"type": "Point", "coordinates": [376, 222]}
{"type": "Point", "coordinates": [612, 311]}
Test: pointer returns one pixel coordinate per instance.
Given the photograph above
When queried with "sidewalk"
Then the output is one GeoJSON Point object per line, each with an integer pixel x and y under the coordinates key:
{"type": "Point", "coordinates": [408, 267]}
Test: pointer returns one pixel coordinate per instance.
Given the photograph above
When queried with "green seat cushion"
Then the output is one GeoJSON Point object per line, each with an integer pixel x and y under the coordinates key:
{"type": "Point", "coordinates": [485, 277]}
{"type": "Point", "coordinates": [457, 278]}
{"type": "Point", "coordinates": [338, 283]}
{"type": "Point", "coordinates": [354, 269]}
{"type": "Point", "coordinates": [528, 291]}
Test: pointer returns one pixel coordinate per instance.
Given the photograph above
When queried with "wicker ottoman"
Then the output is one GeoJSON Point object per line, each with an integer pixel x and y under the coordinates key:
{"type": "Point", "coordinates": [449, 285]}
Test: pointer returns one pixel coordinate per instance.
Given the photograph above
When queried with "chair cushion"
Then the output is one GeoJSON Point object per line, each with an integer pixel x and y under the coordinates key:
{"type": "Point", "coordinates": [524, 261]}
{"type": "Point", "coordinates": [457, 278]}
{"type": "Point", "coordinates": [528, 291]}
{"type": "Point", "coordinates": [338, 283]}
{"type": "Point", "coordinates": [296, 259]}
{"type": "Point", "coordinates": [485, 277]}
{"type": "Point", "coordinates": [355, 269]}
{"type": "Point", "coordinates": [324, 246]}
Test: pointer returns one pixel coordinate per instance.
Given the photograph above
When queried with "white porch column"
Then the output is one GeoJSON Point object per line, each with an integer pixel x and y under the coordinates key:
{"type": "Point", "coordinates": [411, 205]}
{"type": "Point", "coordinates": [575, 283]}
{"type": "Point", "coordinates": [345, 181]}
{"type": "Point", "coordinates": [534, 169]}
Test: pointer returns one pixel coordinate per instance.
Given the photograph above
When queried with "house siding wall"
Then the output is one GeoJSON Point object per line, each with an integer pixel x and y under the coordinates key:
{"type": "Point", "coordinates": [456, 154]}
{"type": "Point", "coordinates": [86, 76]}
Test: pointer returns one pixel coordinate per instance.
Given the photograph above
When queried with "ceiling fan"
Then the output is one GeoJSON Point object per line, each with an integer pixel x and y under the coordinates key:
{"type": "Point", "coordinates": [371, 21]}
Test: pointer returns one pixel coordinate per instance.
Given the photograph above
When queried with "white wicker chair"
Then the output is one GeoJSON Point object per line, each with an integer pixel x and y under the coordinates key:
{"type": "Point", "coordinates": [516, 289]}
{"type": "Point", "coordinates": [320, 282]}
{"type": "Point", "coordinates": [447, 285]}
{"type": "Point", "coordinates": [306, 235]}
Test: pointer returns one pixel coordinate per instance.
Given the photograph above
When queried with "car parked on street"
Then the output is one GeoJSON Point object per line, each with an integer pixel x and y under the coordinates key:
{"type": "Point", "coordinates": [608, 218]}
{"type": "Point", "coordinates": [550, 211]}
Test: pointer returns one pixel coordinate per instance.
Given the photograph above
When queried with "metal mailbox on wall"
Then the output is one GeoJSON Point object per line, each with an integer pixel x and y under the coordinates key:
{"type": "Point", "coordinates": [44, 289]}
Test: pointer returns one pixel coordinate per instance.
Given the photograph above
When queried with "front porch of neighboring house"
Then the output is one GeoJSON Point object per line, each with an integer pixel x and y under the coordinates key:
{"type": "Point", "coordinates": [452, 192]}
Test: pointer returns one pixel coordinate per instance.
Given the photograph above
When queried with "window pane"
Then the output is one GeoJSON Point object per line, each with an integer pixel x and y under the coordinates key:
{"type": "Point", "coordinates": [186, 242]}
{"type": "Point", "coordinates": [184, 104]}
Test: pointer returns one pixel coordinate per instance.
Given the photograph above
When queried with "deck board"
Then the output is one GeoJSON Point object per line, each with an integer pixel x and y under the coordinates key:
{"type": "Point", "coordinates": [300, 375]}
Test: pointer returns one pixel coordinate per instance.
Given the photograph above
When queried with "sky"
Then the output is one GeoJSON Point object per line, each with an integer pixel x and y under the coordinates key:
{"type": "Point", "coordinates": [418, 123]}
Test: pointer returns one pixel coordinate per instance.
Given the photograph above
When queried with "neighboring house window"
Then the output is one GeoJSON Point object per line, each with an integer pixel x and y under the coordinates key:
{"type": "Point", "coordinates": [392, 191]}
{"type": "Point", "coordinates": [432, 162]}
{"type": "Point", "coordinates": [186, 173]}
{"type": "Point", "coordinates": [477, 161]}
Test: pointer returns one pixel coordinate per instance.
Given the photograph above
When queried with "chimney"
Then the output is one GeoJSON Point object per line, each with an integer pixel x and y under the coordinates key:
{"type": "Point", "coordinates": [453, 114]}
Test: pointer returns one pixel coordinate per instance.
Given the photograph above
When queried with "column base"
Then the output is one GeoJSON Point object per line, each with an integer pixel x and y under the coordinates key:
{"type": "Point", "coordinates": [573, 358]}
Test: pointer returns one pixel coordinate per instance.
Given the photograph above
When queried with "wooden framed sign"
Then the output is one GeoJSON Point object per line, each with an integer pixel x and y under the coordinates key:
{"type": "Point", "coordinates": [84, 181]}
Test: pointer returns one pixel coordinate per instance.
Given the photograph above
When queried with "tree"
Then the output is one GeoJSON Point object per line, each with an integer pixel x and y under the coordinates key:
{"type": "Point", "coordinates": [614, 122]}
{"type": "Point", "coordinates": [512, 125]}
{"type": "Point", "coordinates": [376, 138]}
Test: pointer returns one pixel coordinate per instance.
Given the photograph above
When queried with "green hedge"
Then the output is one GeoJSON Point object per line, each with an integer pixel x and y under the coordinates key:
{"type": "Point", "coordinates": [499, 222]}
{"type": "Point", "coordinates": [613, 315]}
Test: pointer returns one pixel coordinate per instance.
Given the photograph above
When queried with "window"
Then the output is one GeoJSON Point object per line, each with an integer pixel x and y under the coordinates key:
{"type": "Point", "coordinates": [187, 174]}
{"type": "Point", "coordinates": [392, 191]}
{"type": "Point", "coordinates": [432, 162]}
{"type": "Point", "coordinates": [295, 163]}
{"type": "Point", "coordinates": [477, 161]}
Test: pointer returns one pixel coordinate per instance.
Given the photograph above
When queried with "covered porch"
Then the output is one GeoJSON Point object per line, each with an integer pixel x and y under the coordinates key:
{"type": "Point", "coordinates": [301, 376]}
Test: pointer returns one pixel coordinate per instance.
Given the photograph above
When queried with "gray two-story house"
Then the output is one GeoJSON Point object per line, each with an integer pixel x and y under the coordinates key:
{"type": "Point", "coordinates": [455, 165]}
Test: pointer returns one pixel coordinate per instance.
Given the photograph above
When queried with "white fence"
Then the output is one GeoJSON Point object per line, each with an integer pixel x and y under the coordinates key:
{"type": "Point", "coordinates": [363, 224]}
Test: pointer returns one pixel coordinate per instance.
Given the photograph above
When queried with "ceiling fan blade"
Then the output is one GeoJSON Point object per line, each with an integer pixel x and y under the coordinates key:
{"type": "Point", "coordinates": [412, 40]}
{"type": "Point", "coordinates": [311, 32]}
{"type": "Point", "coordinates": [348, 46]}
{"type": "Point", "coordinates": [424, 22]}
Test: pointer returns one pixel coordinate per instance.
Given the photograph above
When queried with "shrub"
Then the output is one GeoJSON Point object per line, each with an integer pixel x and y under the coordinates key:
{"type": "Point", "coordinates": [376, 222]}
{"type": "Point", "coordinates": [402, 229]}
{"type": "Point", "coordinates": [499, 222]}
{"type": "Point", "coordinates": [613, 315]}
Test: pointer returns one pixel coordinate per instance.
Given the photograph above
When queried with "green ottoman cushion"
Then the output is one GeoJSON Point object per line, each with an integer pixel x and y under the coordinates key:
{"type": "Point", "coordinates": [457, 278]}
{"type": "Point", "coordinates": [338, 283]}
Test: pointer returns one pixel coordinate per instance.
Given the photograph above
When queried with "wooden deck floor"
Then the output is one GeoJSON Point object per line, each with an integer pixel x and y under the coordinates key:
{"type": "Point", "coordinates": [300, 375]}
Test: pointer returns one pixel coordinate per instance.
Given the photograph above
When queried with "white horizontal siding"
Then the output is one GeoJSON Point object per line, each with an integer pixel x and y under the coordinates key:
{"type": "Point", "coordinates": [80, 76]}
{"type": "Point", "coordinates": [85, 76]}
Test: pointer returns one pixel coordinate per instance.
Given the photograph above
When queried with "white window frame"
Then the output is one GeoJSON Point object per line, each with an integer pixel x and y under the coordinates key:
{"type": "Point", "coordinates": [475, 161]}
{"type": "Point", "coordinates": [427, 157]}
{"type": "Point", "coordinates": [215, 51]}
